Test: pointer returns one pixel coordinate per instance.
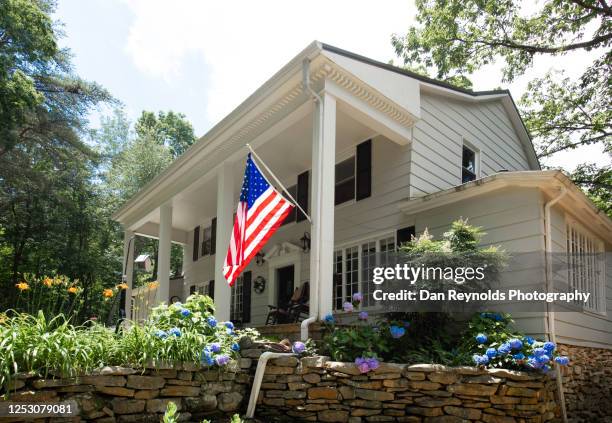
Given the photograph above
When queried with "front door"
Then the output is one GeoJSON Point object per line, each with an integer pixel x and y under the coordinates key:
{"type": "Point", "coordinates": [284, 283]}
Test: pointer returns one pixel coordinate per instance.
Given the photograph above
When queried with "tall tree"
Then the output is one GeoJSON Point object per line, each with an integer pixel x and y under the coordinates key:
{"type": "Point", "coordinates": [454, 38]}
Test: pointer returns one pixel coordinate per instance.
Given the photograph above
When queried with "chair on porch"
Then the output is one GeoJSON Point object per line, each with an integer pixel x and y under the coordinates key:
{"type": "Point", "coordinates": [290, 313]}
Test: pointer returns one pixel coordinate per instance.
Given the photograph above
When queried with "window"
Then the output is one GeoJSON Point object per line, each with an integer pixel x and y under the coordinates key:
{"type": "Point", "coordinates": [236, 310]}
{"type": "Point", "coordinates": [206, 241]}
{"type": "Point", "coordinates": [585, 266]}
{"type": "Point", "coordinates": [468, 165]}
{"type": "Point", "coordinates": [345, 181]}
{"type": "Point", "coordinates": [291, 216]}
{"type": "Point", "coordinates": [353, 269]}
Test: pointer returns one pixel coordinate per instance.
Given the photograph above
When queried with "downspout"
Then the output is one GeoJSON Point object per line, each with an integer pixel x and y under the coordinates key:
{"type": "Point", "coordinates": [314, 302]}
{"type": "Point", "coordinates": [550, 314]}
{"type": "Point", "coordinates": [259, 374]}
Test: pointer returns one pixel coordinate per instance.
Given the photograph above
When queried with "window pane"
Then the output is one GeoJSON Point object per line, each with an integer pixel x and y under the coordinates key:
{"type": "Point", "coordinates": [345, 170]}
{"type": "Point", "coordinates": [206, 241]}
{"type": "Point", "coordinates": [352, 272]}
{"type": "Point", "coordinates": [368, 263]}
{"type": "Point", "coordinates": [467, 176]}
{"type": "Point", "coordinates": [337, 294]}
{"type": "Point", "coordinates": [469, 160]}
{"type": "Point", "coordinates": [236, 300]}
{"type": "Point", "coordinates": [345, 191]}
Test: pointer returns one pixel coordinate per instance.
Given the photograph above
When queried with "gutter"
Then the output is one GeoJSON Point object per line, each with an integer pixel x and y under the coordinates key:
{"type": "Point", "coordinates": [259, 374]}
{"type": "Point", "coordinates": [550, 314]}
{"type": "Point", "coordinates": [314, 300]}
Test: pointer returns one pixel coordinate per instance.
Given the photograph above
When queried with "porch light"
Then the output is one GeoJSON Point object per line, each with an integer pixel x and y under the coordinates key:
{"type": "Point", "coordinates": [305, 242]}
{"type": "Point", "coordinates": [259, 258]}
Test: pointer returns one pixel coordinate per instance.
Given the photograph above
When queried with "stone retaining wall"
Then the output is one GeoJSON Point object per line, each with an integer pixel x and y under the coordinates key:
{"type": "Point", "coordinates": [315, 389]}
{"type": "Point", "coordinates": [587, 383]}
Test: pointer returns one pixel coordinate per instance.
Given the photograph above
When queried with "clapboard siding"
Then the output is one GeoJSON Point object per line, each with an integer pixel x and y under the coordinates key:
{"type": "Point", "coordinates": [439, 135]}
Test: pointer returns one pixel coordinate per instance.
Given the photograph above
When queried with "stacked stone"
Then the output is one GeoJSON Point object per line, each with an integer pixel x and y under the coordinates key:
{"type": "Point", "coordinates": [120, 394]}
{"type": "Point", "coordinates": [316, 389]}
{"type": "Point", "coordinates": [587, 383]}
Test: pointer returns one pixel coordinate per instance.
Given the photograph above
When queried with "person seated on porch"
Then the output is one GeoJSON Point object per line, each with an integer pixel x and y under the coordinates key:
{"type": "Point", "coordinates": [292, 311]}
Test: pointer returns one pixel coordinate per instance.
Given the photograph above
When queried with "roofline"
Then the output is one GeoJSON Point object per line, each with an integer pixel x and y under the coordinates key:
{"type": "Point", "coordinates": [529, 178]}
{"type": "Point", "coordinates": [440, 84]}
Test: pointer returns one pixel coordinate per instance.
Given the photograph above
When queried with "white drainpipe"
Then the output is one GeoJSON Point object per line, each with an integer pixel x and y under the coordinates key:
{"type": "Point", "coordinates": [314, 300]}
{"type": "Point", "coordinates": [550, 314]}
{"type": "Point", "coordinates": [259, 373]}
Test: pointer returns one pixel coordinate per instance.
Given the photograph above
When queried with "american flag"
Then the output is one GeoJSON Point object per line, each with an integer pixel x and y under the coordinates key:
{"type": "Point", "coordinates": [261, 210]}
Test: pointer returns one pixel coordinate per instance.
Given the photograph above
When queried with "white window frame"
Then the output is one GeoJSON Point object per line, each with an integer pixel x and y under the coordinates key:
{"type": "Point", "coordinates": [477, 159]}
{"type": "Point", "coordinates": [593, 279]}
{"type": "Point", "coordinates": [359, 243]}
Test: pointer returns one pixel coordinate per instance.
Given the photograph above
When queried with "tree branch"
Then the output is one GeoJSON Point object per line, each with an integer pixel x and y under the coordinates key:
{"type": "Point", "coordinates": [605, 9]}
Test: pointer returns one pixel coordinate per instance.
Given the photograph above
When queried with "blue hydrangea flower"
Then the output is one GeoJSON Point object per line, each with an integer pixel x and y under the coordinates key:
{"type": "Point", "coordinates": [480, 360]}
{"type": "Point", "coordinates": [229, 325]}
{"type": "Point", "coordinates": [481, 338]}
{"type": "Point", "coordinates": [212, 321]}
{"type": "Point", "coordinates": [215, 347]}
{"type": "Point", "coordinates": [185, 312]}
{"type": "Point", "coordinates": [397, 331]}
{"type": "Point", "coordinates": [329, 318]}
{"type": "Point", "coordinates": [545, 368]}
{"type": "Point", "coordinates": [562, 360]}
{"type": "Point", "coordinates": [529, 340]}
{"type": "Point", "coordinates": [363, 315]}
{"type": "Point", "coordinates": [519, 356]}
{"type": "Point", "coordinates": [543, 358]}
{"type": "Point", "coordinates": [298, 347]}
{"type": "Point", "coordinates": [175, 332]}
{"type": "Point", "coordinates": [235, 346]}
{"type": "Point", "coordinates": [206, 354]}
{"type": "Point", "coordinates": [222, 360]}
{"type": "Point", "coordinates": [491, 352]}
{"type": "Point", "coordinates": [549, 346]}
{"type": "Point", "coordinates": [539, 351]}
{"type": "Point", "coordinates": [229, 331]}
{"type": "Point", "coordinates": [515, 343]}
{"type": "Point", "coordinates": [161, 334]}
{"type": "Point", "coordinates": [504, 348]}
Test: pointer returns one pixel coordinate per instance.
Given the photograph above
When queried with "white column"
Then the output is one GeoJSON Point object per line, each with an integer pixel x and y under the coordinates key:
{"type": "Point", "coordinates": [163, 253]}
{"type": "Point", "coordinates": [225, 211]}
{"type": "Point", "coordinates": [128, 269]}
{"type": "Point", "coordinates": [323, 187]}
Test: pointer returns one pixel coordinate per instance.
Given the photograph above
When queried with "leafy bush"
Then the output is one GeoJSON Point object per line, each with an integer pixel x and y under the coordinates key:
{"type": "Point", "coordinates": [180, 332]}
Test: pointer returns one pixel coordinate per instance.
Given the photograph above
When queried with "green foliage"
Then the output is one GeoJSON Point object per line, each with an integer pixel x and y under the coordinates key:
{"type": "Point", "coordinates": [168, 129]}
{"type": "Point", "coordinates": [178, 333]}
{"type": "Point", "coordinates": [455, 38]}
{"type": "Point", "coordinates": [171, 415]}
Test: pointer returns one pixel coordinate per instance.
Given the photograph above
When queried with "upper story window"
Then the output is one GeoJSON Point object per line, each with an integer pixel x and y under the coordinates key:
{"type": "Point", "coordinates": [585, 266]}
{"type": "Point", "coordinates": [345, 181]}
{"type": "Point", "coordinates": [468, 165]}
{"type": "Point", "coordinates": [206, 241]}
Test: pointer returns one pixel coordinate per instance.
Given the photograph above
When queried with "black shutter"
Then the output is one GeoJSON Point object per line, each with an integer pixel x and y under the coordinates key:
{"type": "Point", "coordinates": [364, 170]}
{"type": "Point", "coordinates": [302, 195]}
{"type": "Point", "coordinates": [246, 297]}
{"type": "Point", "coordinates": [196, 243]}
{"type": "Point", "coordinates": [192, 289]}
{"type": "Point", "coordinates": [211, 289]}
{"type": "Point", "coordinates": [405, 235]}
{"type": "Point", "coordinates": [213, 236]}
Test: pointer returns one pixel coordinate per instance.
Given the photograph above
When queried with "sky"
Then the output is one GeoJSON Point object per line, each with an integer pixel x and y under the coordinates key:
{"type": "Point", "coordinates": [203, 58]}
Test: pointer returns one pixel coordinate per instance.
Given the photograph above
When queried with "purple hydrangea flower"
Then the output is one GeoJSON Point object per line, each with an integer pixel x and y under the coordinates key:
{"type": "Point", "coordinates": [397, 331]}
{"type": "Point", "coordinates": [298, 347]}
{"type": "Point", "coordinates": [539, 351]}
{"type": "Point", "coordinates": [481, 338]}
{"type": "Point", "coordinates": [215, 347]}
{"type": "Point", "coordinates": [222, 360]}
{"type": "Point", "coordinates": [357, 297]}
{"type": "Point", "coordinates": [373, 363]}
{"type": "Point", "coordinates": [348, 307]}
{"type": "Point", "coordinates": [543, 359]}
{"type": "Point", "coordinates": [363, 315]}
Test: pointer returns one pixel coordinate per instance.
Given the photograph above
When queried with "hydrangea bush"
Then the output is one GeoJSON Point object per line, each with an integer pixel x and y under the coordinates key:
{"type": "Point", "coordinates": [495, 344]}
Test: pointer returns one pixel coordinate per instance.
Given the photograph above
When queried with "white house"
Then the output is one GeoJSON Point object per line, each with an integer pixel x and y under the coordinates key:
{"type": "Point", "coordinates": [375, 154]}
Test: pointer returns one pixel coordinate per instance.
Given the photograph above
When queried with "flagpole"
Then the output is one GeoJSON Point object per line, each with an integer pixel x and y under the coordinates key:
{"type": "Point", "coordinates": [295, 203]}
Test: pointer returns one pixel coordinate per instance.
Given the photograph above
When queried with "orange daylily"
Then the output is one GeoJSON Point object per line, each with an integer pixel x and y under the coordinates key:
{"type": "Point", "coordinates": [22, 286]}
{"type": "Point", "coordinates": [122, 286]}
{"type": "Point", "coordinates": [73, 290]}
{"type": "Point", "coordinates": [108, 293]}
{"type": "Point", "coordinates": [48, 282]}
{"type": "Point", "coordinates": [153, 284]}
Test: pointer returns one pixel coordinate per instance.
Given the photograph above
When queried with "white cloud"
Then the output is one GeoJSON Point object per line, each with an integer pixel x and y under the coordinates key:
{"type": "Point", "coordinates": [246, 42]}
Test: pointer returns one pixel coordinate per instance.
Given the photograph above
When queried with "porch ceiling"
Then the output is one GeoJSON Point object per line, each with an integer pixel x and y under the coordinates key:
{"type": "Point", "coordinates": [288, 154]}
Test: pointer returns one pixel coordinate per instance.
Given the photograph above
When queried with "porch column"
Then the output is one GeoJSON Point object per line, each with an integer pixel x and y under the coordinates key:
{"type": "Point", "coordinates": [323, 188]}
{"type": "Point", "coordinates": [225, 212]}
{"type": "Point", "coordinates": [129, 240]}
{"type": "Point", "coordinates": [163, 253]}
